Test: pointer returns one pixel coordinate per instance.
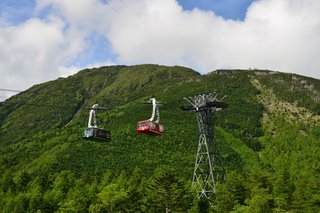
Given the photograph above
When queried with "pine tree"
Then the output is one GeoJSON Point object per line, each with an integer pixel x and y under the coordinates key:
{"type": "Point", "coordinates": [166, 193]}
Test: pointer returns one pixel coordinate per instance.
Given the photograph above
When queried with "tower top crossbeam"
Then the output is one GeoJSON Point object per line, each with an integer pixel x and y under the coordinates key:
{"type": "Point", "coordinates": [205, 101]}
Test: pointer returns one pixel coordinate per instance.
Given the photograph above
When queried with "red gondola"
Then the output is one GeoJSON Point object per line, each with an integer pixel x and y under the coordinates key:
{"type": "Point", "coordinates": [151, 126]}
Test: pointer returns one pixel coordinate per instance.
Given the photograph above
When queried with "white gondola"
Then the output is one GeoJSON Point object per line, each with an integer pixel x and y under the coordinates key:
{"type": "Point", "coordinates": [92, 132]}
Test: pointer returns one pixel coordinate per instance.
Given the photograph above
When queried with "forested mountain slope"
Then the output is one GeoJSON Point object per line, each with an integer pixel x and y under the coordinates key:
{"type": "Point", "coordinates": [269, 139]}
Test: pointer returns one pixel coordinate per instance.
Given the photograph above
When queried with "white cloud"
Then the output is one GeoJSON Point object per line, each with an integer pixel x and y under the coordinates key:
{"type": "Point", "coordinates": [29, 51]}
{"type": "Point", "coordinates": [278, 35]}
{"type": "Point", "coordinates": [37, 50]}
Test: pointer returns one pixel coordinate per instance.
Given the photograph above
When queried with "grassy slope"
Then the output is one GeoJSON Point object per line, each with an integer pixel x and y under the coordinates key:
{"type": "Point", "coordinates": [41, 127]}
{"type": "Point", "coordinates": [42, 112]}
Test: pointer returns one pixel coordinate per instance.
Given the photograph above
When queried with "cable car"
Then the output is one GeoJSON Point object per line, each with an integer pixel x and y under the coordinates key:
{"type": "Point", "coordinates": [96, 134]}
{"type": "Point", "coordinates": [151, 126]}
{"type": "Point", "coordinates": [92, 132]}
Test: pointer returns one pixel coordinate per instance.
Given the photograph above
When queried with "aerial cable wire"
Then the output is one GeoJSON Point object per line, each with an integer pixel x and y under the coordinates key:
{"type": "Point", "coordinates": [9, 90]}
{"type": "Point", "coordinates": [25, 103]}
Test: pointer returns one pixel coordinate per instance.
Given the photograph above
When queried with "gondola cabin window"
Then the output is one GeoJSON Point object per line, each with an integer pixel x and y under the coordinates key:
{"type": "Point", "coordinates": [88, 133]}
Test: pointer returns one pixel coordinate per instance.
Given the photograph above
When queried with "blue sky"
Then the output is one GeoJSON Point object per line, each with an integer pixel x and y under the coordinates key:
{"type": "Point", "coordinates": [46, 39]}
{"type": "Point", "coordinates": [17, 11]}
{"type": "Point", "coordinates": [229, 9]}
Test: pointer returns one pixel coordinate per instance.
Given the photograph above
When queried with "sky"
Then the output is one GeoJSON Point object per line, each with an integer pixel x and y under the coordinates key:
{"type": "Point", "coordinates": [41, 40]}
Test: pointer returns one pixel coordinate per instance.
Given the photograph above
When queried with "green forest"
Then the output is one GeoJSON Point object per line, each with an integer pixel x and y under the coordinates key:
{"type": "Point", "coordinates": [269, 139]}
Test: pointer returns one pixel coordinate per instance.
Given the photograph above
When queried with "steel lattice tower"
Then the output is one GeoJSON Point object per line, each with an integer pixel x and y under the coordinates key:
{"type": "Point", "coordinates": [208, 169]}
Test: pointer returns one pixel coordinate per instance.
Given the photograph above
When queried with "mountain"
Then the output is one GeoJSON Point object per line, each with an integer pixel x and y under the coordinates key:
{"type": "Point", "coordinates": [268, 138]}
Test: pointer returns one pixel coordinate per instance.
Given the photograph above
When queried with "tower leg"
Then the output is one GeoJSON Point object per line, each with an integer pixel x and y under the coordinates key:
{"type": "Point", "coordinates": [203, 178]}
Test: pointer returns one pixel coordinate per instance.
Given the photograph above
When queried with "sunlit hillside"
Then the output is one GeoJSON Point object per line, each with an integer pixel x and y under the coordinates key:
{"type": "Point", "coordinates": [268, 137]}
